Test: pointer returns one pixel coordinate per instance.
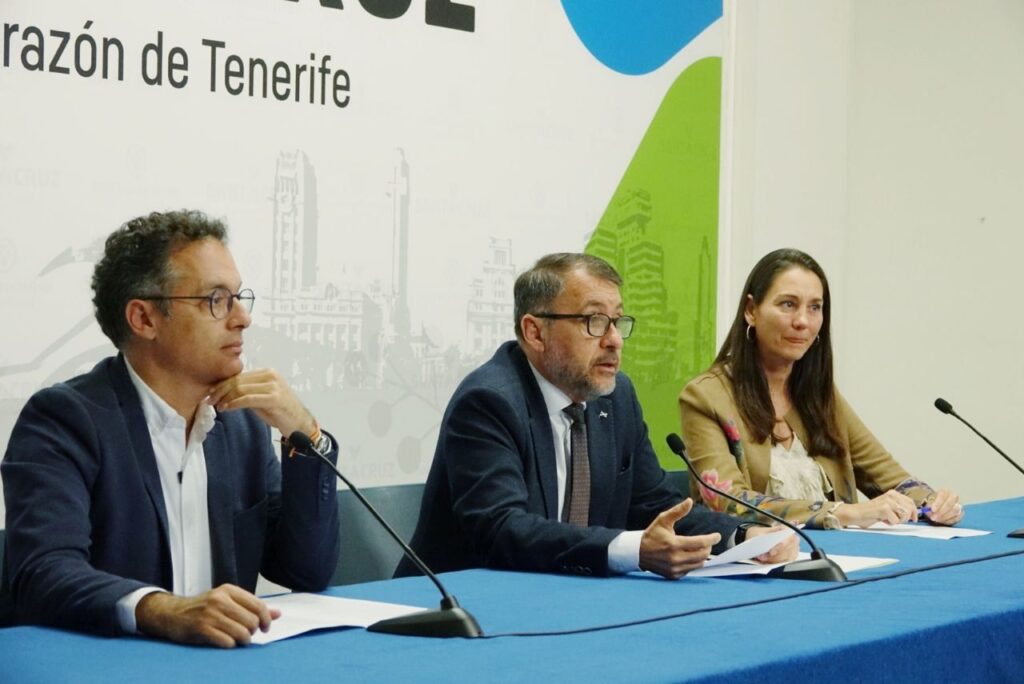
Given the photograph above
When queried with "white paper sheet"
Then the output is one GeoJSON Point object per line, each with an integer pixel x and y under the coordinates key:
{"type": "Point", "coordinates": [750, 548]}
{"type": "Point", "coordinates": [847, 563]}
{"type": "Point", "coordinates": [919, 530]}
{"type": "Point", "coordinates": [302, 612]}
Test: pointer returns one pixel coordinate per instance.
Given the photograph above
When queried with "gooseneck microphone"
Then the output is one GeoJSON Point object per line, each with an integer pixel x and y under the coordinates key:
{"type": "Point", "coordinates": [450, 620]}
{"type": "Point", "coordinates": [818, 567]}
{"type": "Point", "coordinates": [947, 408]}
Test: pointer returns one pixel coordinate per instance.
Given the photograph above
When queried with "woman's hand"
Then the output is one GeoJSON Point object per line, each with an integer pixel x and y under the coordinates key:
{"type": "Point", "coordinates": [945, 508]}
{"type": "Point", "coordinates": [891, 508]}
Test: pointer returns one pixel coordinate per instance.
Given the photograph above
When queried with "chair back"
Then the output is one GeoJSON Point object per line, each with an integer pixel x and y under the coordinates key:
{"type": "Point", "coordinates": [680, 479]}
{"type": "Point", "coordinates": [368, 552]}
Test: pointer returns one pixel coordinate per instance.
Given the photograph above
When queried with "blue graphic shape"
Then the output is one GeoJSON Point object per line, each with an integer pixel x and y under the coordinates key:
{"type": "Point", "coordinates": [636, 37]}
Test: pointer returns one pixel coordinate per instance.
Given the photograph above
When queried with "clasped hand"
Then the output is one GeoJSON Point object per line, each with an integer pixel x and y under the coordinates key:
{"type": "Point", "coordinates": [894, 508]}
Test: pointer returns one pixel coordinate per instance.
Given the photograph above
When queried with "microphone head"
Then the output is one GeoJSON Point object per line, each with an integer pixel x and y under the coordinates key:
{"type": "Point", "coordinates": [300, 441]}
{"type": "Point", "coordinates": [943, 405]}
{"type": "Point", "coordinates": [675, 443]}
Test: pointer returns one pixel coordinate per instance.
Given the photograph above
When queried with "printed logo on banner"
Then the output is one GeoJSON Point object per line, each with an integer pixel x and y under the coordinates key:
{"type": "Point", "coordinates": [660, 229]}
{"type": "Point", "coordinates": [443, 13]}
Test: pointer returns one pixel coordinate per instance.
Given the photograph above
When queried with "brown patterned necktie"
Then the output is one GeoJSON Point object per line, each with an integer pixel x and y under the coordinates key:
{"type": "Point", "coordinates": [577, 493]}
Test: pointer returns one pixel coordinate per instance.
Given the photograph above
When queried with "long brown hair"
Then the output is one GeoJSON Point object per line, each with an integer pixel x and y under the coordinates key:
{"type": "Point", "coordinates": [810, 384]}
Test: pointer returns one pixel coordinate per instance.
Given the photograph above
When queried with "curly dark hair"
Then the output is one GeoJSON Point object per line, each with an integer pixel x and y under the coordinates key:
{"type": "Point", "coordinates": [136, 263]}
{"type": "Point", "coordinates": [539, 286]}
{"type": "Point", "coordinates": [811, 385]}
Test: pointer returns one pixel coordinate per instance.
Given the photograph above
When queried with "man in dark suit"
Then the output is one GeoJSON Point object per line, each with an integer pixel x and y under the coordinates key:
{"type": "Point", "coordinates": [543, 461]}
{"type": "Point", "coordinates": [145, 496]}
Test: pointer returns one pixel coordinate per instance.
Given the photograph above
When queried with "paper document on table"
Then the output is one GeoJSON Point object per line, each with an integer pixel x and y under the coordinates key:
{"type": "Point", "coordinates": [919, 530]}
{"type": "Point", "coordinates": [302, 612]}
{"type": "Point", "coordinates": [847, 563]}
{"type": "Point", "coordinates": [751, 548]}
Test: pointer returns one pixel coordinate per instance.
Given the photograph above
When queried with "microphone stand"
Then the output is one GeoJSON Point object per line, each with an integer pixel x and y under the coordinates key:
{"type": "Point", "coordinates": [818, 567]}
{"type": "Point", "coordinates": [946, 407]}
{"type": "Point", "coordinates": [450, 620]}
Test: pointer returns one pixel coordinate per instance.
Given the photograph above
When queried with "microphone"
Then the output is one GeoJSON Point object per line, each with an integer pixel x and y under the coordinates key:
{"type": "Point", "coordinates": [947, 408]}
{"type": "Point", "coordinates": [450, 620]}
{"type": "Point", "coordinates": [818, 567]}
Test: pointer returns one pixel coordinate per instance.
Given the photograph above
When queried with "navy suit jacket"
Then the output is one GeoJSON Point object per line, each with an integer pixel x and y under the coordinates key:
{"type": "Point", "coordinates": [86, 523]}
{"type": "Point", "coordinates": [491, 495]}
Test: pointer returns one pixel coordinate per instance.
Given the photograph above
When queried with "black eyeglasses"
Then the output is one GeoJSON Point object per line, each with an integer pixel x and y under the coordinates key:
{"type": "Point", "coordinates": [597, 323]}
{"type": "Point", "coordinates": [221, 301]}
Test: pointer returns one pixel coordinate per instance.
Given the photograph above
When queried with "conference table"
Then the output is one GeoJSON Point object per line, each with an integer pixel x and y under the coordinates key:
{"type": "Point", "coordinates": [948, 611]}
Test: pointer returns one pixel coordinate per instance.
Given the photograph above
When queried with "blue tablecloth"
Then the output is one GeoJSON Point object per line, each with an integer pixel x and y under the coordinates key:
{"type": "Point", "coordinates": [959, 618]}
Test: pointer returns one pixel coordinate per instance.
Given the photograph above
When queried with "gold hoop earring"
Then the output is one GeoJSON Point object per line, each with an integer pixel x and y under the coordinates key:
{"type": "Point", "coordinates": [749, 338]}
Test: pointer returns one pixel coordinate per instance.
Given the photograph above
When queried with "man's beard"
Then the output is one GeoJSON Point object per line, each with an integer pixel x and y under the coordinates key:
{"type": "Point", "coordinates": [576, 383]}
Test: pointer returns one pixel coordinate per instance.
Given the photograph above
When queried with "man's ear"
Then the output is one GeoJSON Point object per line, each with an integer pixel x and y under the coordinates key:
{"type": "Point", "coordinates": [533, 333]}
{"type": "Point", "coordinates": [141, 315]}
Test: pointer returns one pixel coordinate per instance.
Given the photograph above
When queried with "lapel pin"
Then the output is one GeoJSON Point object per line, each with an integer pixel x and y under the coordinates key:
{"type": "Point", "coordinates": [602, 414]}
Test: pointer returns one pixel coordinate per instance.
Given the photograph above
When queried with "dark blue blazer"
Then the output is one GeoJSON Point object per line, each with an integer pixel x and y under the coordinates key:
{"type": "Point", "coordinates": [491, 495]}
{"type": "Point", "coordinates": [86, 522]}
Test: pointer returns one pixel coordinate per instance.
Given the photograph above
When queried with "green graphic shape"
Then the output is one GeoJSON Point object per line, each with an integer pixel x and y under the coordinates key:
{"type": "Point", "coordinates": [660, 231]}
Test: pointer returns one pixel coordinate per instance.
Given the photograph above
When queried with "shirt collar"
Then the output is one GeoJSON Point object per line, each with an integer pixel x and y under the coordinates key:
{"type": "Point", "coordinates": [161, 416]}
{"type": "Point", "coordinates": [554, 399]}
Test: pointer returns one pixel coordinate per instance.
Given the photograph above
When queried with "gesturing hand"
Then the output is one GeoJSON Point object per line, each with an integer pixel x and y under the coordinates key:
{"type": "Point", "coordinates": [668, 554]}
{"type": "Point", "coordinates": [227, 616]}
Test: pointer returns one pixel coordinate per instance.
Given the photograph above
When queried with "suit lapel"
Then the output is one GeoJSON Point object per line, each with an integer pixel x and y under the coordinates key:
{"type": "Point", "coordinates": [540, 432]}
{"type": "Point", "coordinates": [218, 501]}
{"type": "Point", "coordinates": [142, 444]}
{"type": "Point", "coordinates": [759, 460]}
{"type": "Point", "coordinates": [544, 453]}
{"type": "Point", "coordinates": [603, 461]}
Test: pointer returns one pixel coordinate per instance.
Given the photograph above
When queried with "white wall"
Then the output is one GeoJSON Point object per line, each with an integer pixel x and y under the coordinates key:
{"type": "Point", "coordinates": [885, 139]}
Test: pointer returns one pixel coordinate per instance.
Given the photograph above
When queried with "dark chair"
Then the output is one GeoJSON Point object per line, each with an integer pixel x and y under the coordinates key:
{"type": "Point", "coordinates": [368, 552]}
{"type": "Point", "coordinates": [680, 479]}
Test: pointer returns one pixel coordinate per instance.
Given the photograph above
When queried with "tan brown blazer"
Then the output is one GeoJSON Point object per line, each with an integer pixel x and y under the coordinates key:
{"type": "Point", "coordinates": [717, 440]}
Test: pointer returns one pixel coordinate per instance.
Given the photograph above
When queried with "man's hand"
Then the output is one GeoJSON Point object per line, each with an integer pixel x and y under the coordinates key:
{"type": "Point", "coordinates": [668, 554]}
{"type": "Point", "coordinates": [783, 552]}
{"type": "Point", "coordinates": [227, 616]}
{"type": "Point", "coordinates": [265, 392]}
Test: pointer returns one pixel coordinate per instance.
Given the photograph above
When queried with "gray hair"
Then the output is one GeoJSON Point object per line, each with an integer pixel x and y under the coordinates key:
{"type": "Point", "coordinates": [536, 288]}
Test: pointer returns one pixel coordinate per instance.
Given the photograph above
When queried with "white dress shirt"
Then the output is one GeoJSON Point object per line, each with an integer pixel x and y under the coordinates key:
{"type": "Point", "coordinates": [181, 462]}
{"type": "Point", "coordinates": [624, 550]}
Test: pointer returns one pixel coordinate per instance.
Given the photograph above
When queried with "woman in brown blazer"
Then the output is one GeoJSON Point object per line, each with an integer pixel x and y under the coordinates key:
{"type": "Point", "coordinates": [766, 422]}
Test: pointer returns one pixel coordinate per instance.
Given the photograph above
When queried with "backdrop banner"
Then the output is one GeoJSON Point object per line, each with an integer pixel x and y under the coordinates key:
{"type": "Point", "coordinates": [386, 168]}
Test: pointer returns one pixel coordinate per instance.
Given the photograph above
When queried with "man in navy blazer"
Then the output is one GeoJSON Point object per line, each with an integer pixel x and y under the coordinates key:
{"type": "Point", "coordinates": [145, 495]}
{"type": "Point", "coordinates": [500, 489]}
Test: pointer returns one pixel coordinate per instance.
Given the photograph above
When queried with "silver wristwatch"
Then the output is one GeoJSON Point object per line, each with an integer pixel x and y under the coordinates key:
{"type": "Point", "coordinates": [323, 444]}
